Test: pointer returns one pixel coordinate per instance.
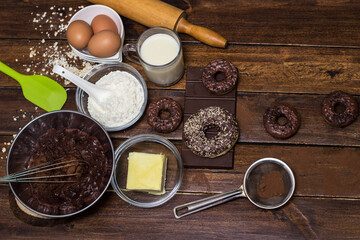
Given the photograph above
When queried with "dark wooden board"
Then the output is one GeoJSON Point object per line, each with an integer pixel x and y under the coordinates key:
{"type": "Point", "coordinates": [316, 173]}
{"type": "Point", "coordinates": [249, 113]}
{"type": "Point", "coordinates": [293, 51]}
{"type": "Point", "coordinates": [112, 218]}
{"type": "Point", "coordinates": [313, 129]}
{"type": "Point", "coordinates": [196, 98]}
{"type": "Point", "coordinates": [259, 22]}
{"type": "Point", "coordinates": [298, 70]}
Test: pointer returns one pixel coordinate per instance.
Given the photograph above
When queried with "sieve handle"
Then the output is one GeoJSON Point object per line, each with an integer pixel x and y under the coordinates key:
{"type": "Point", "coordinates": [199, 205]}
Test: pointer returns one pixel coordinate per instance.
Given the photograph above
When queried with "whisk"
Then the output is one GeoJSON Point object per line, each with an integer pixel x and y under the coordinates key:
{"type": "Point", "coordinates": [26, 175]}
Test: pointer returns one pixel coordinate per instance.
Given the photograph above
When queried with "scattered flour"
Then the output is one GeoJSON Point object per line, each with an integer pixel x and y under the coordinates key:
{"type": "Point", "coordinates": [123, 105]}
{"type": "Point", "coordinates": [55, 22]}
{"type": "Point", "coordinates": [21, 114]}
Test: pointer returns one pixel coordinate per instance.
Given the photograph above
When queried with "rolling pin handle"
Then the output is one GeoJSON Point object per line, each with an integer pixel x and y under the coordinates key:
{"type": "Point", "coordinates": [202, 34]}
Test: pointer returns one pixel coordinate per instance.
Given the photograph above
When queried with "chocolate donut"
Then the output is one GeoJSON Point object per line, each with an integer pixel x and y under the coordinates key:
{"type": "Point", "coordinates": [197, 124]}
{"type": "Point", "coordinates": [332, 112]}
{"type": "Point", "coordinates": [170, 122]}
{"type": "Point", "coordinates": [281, 121]}
{"type": "Point", "coordinates": [215, 67]}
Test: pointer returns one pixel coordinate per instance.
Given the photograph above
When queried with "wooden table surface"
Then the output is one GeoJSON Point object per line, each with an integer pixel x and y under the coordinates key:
{"type": "Point", "coordinates": [289, 51]}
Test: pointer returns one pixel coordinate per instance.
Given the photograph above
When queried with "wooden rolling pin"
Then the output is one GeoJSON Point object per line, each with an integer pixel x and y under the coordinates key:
{"type": "Point", "coordinates": [153, 13]}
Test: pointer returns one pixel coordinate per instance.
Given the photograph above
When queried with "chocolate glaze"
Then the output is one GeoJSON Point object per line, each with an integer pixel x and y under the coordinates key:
{"type": "Point", "coordinates": [66, 198]}
{"type": "Point", "coordinates": [197, 124]}
{"type": "Point", "coordinates": [277, 130]}
{"type": "Point", "coordinates": [168, 124]}
{"type": "Point", "coordinates": [197, 97]}
{"type": "Point", "coordinates": [342, 118]}
{"type": "Point", "coordinates": [220, 66]}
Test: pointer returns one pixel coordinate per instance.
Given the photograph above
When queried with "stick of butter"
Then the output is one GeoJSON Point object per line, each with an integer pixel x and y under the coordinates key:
{"type": "Point", "coordinates": [146, 172]}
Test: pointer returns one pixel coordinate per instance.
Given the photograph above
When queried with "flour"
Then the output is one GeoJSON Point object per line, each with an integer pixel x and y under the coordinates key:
{"type": "Point", "coordinates": [123, 105]}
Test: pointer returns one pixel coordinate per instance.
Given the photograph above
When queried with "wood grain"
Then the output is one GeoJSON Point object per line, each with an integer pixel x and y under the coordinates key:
{"type": "Point", "coordinates": [112, 218]}
{"type": "Point", "coordinates": [286, 51]}
{"type": "Point", "coordinates": [316, 174]}
{"type": "Point", "coordinates": [334, 22]}
{"type": "Point", "coordinates": [250, 109]}
{"type": "Point", "coordinates": [261, 68]}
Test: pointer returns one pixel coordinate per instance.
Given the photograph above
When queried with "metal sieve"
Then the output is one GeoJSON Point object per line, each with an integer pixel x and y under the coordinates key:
{"type": "Point", "coordinates": [252, 178]}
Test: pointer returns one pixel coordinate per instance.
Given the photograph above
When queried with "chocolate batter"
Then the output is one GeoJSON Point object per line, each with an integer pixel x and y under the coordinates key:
{"type": "Point", "coordinates": [271, 185]}
{"type": "Point", "coordinates": [64, 145]}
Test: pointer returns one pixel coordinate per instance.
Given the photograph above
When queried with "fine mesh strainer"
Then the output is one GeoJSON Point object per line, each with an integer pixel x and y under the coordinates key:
{"type": "Point", "coordinates": [249, 189]}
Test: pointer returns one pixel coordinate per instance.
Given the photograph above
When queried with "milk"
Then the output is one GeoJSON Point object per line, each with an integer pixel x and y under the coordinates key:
{"type": "Point", "coordinates": [159, 49]}
{"type": "Point", "coordinates": [162, 59]}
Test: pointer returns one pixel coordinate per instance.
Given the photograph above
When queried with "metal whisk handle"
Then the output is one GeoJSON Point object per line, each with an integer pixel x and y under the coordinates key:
{"type": "Point", "coordinates": [26, 175]}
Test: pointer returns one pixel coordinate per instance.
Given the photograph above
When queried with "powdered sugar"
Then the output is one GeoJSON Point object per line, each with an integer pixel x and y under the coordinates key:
{"type": "Point", "coordinates": [123, 105]}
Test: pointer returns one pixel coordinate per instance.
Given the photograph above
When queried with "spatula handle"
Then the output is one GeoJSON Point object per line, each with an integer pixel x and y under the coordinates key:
{"type": "Point", "coordinates": [96, 92]}
{"type": "Point", "coordinates": [10, 72]}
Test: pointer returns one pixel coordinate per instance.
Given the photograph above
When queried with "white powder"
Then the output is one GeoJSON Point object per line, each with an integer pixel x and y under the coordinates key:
{"type": "Point", "coordinates": [45, 54]}
{"type": "Point", "coordinates": [123, 105]}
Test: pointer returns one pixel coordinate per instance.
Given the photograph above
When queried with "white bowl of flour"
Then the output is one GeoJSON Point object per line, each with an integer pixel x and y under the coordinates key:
{"type": "Point", "coordinates": [127, 102]}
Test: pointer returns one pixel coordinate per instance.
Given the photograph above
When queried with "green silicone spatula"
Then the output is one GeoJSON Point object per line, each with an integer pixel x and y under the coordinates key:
{"type": "Point", "coordinates": [40, 90]}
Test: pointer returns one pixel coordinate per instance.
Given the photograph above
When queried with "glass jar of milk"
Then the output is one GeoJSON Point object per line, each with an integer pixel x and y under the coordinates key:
{"type": "Point", "coordinates": [159, 52]}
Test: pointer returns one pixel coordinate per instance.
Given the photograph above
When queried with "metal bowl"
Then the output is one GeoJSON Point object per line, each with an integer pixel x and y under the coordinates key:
{"type": "Point", "coordinates": [20, 150]}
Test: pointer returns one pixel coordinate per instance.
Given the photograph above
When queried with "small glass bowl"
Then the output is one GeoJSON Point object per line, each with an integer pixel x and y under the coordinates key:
{"type": "Point", "coordinates": [97, 72]}
{"type": "Point", "coordinates": [147, 143]}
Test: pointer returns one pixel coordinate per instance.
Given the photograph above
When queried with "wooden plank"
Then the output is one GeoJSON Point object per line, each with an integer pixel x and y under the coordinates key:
{"type": "Point", "coordinates": [292, 51]}
{"type": "Point", "coordinates": [313, 130]}
{"type": "Point", "coordinates": [261, 68]}
{"type": "Point", "coordinates": [319, 171]}
{"type": "Point", "coordinates": [286, 69]}
{"type": "Point", "coordinates": [280, 22]}
{"type": "Point", "coordinates": [38, 57]}
{"type": "Point", "coordinates": [15, 112]}
{"type": "Point", "coordinates": [43, 18]}
{"type": "Point", "coordinates": [269, 22]}
{"type": "Point", "coordinates": [250, 109]}
{"type": "Point", "coordinates": [301, 218]}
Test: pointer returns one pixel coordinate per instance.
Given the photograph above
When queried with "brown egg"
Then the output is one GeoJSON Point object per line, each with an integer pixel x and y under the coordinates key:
{"type": "Point", "coordinates": [103, 22]}
{"type": "Point", "coordinates": [104, 44]}
{"type": "Point", "coordinates": [78, 34]}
